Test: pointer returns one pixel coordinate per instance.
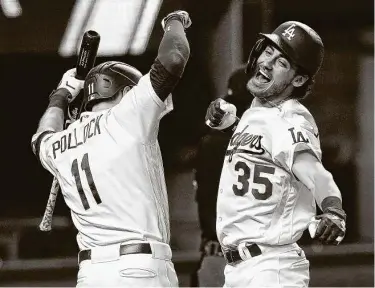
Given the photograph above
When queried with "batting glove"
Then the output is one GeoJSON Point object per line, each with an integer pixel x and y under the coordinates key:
{"type": "Point", "coordinates": [72, 84]}
{"type": "Point", "coordinates": [221, 114]}
{"type": "Point", "coordinates": [180, 15]}
{"type": "Point", "coordinates": [330, 227]}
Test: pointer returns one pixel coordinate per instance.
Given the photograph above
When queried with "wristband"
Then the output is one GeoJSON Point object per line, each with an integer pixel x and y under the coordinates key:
{"type": "Point", "coordinates": [332, 204]}
{"type": "Point", "coordinates": [59, 98]}
{"type": "Point", "coordinates": [174, 17]}
{"type": "Point", "coordinates": [232, 127]}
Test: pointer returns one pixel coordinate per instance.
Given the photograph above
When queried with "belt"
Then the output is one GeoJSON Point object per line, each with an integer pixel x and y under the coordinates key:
{"type": "Point", "coordinates": [234, 256]}
{"type": "Point", "coordinates": [140, 248]}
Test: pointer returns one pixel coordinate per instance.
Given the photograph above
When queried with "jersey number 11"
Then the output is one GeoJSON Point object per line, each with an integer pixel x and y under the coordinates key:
{"type": "Point", "coordinates": [85, 166]}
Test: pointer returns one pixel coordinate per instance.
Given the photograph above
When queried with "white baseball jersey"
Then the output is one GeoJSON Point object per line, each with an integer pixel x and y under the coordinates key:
{"type": "Point", "coordinates": [109, 167]}
{"type": "Point", "coordinates": [260, 200]}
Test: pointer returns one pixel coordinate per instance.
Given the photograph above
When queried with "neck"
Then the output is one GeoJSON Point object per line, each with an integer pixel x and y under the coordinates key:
{"type": "Point", "coordinates": [276, 102]}
{"type": "Point", "coordinates": [102, 106]}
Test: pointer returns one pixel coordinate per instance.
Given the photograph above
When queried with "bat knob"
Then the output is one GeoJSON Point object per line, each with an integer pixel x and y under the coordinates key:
{"type": "Point", "coordinates": [44, 227]}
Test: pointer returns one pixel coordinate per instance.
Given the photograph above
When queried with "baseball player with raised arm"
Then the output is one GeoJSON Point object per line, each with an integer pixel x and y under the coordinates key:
{"type": "Point", "coordinates": [109, 165]}
{"type": "Point", "coordinates": [272, 173]}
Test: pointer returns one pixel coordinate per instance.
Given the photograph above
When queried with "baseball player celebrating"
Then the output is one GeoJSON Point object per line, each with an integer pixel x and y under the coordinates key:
{"type": "Point", "coordinates": [272, 172]}
{"type": "Point", "coordinates": [109, 166]}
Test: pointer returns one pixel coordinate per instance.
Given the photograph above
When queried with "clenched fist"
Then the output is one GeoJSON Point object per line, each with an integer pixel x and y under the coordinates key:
{"type": "Point", "coordinates": [180, 15]}
{"type": "Point", "coordinates": [329, 228]}
{"type": "Point", "coordinates": [72, 84]}
{"type": "Point", "coordinates": [221, 114]}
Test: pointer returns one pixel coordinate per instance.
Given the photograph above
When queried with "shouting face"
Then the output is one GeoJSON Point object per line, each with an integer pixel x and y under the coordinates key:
{"type": "Point", "coordinates": [274, 76]}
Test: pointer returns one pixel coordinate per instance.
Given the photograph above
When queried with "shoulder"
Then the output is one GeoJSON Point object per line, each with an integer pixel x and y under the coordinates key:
{"type": "Point", "coordinates": [144, 84]}
{"type": "Point", "coordinates": [297, 115]}
{"type": "Point", "coordinates": [145, 90]}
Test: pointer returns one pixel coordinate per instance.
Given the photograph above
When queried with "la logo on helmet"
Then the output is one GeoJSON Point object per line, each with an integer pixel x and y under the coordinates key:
{"type": "Point", "coordinates": [289, 32]}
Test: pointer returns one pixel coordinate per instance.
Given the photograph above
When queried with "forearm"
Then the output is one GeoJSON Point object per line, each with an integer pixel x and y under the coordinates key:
{"type": "Point", "coordinates": [171, 60]}
{"type": "Point", "coordinates": [326, 191]}
{"type": "Point", "coordinates": [317, 179]}
{"type": "Point", "coordinates": [53, 118]}
{"type": "Point", "coordinates": [174, 50]}
{"type": "Point", "coordinates": [309, 170]}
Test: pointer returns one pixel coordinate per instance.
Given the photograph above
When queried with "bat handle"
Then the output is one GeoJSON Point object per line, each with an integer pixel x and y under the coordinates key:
{"type": "Point", "coordinates": [46, 223]}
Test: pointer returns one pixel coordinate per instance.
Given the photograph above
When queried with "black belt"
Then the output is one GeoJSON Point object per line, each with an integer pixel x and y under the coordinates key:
{"type": "Point", "coordinates": [234, 256]}
{"type": "Point", "coordinates": [140, 248]}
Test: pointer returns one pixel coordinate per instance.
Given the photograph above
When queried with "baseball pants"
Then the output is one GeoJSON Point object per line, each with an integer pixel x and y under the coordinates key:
{"type": "Point", "coordinates": [107, 268]}
{"type": "Point", "coordinates": [284, 266]}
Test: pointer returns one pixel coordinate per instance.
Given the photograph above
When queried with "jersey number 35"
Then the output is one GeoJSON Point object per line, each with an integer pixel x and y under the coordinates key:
{"type": "Point", "coordinates": [242, 187]}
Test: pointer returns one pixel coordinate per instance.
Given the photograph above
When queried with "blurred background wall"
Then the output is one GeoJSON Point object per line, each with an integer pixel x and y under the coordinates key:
{"type": "Point", "coordinates": [39, 40]}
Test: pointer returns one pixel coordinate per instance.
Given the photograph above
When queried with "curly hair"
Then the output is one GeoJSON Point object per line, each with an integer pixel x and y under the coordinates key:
{"type": "Point", "coordinates": [302, 92]}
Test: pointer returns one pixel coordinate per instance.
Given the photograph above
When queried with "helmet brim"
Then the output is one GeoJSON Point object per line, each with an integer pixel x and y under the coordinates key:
{"type": "Point", "coordinates": [280, 44]}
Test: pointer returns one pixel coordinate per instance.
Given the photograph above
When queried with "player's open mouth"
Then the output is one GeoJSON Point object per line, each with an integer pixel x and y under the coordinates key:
{"type": "Point", "coordinates": [262, 77]}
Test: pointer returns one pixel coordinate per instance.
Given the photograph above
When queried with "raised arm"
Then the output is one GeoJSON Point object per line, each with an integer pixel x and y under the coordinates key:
{"type": "Point", "coordinates": [54, 116]}
{"type": "Point", "coordinates": [173, 54]}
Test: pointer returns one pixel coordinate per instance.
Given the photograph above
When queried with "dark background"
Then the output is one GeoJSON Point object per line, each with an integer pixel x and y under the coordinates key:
{"type": "Point", "coordinates": [31, 68]}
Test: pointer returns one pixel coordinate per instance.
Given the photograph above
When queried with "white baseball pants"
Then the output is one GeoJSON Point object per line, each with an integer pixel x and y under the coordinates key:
{"type": "Point", "coordinates": [133, 270]}
{"type": "Point", "coordinates": [284, 266]}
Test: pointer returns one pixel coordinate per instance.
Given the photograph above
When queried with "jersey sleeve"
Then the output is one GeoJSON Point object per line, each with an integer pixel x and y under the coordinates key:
{"type": "Point", "coordinates": [42, 144]}
{"type": "Point", "coordinates": [141, 110]}
{"type": "Point", "coordinates": [291, 138]}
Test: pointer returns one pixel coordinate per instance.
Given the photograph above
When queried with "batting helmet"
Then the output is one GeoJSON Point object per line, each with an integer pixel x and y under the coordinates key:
{"type": "Point", "coordinates": [297, 41]}
{"type": "Point", "coordinates": [106, 79]}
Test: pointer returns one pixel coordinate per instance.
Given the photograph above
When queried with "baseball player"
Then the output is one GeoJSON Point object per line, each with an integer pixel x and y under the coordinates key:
{"type": "Point", "coordinates": [109, 166]}
{"type": "Point", "coordinates": [272, 173]}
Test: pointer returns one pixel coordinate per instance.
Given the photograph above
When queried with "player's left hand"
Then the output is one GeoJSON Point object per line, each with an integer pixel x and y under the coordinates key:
{"type": "Point", "coordinates": [180, 15]}
{"type": "Point", "coordinates": [330, 228]}
{"type": "Point", "coordinates": [72, 84]}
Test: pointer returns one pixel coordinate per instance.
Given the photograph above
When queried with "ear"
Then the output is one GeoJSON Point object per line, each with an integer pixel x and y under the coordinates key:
{"type": "Point", "coordinates": [299, 80]}
{"type": "Point", "coordinates": [126, 90]}
{"type": "Point", "coordinates": [121, 93]}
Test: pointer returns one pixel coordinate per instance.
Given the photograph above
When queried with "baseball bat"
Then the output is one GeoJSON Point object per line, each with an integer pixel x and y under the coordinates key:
{"type": "Point", "coordinates": [85, 62]}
